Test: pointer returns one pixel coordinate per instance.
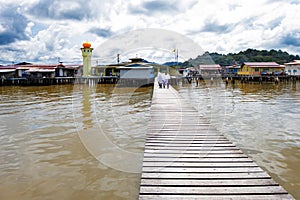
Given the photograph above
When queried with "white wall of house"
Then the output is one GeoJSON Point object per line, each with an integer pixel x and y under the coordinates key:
{"type": "Point", "coordinates": [292, 69]}
{"type": "Point", "coordinates": [139, 73]}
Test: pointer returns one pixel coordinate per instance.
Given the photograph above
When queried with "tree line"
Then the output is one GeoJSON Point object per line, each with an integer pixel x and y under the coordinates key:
{"type": "Point", "coordinates": [249, 55]}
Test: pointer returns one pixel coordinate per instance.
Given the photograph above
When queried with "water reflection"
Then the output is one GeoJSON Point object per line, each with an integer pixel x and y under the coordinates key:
{"type": "Point", "coordinates": [87, 108]}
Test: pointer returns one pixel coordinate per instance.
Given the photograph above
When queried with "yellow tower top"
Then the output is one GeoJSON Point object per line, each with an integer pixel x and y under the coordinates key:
{"type": "Point", "coordinates": [86, 45]}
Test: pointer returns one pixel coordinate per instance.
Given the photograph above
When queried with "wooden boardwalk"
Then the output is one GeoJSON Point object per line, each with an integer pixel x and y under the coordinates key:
{"type": "Point", "coordinates": [187, 158]}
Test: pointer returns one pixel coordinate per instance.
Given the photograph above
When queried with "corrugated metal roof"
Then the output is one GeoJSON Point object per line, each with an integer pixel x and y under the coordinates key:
{"type": "Point", "coordinates": [262, 64]}
{"type": "Point", "coordinates": [40, 70]}
{"type": "Point", "coordinates": [295, 62]}
{"type": "Point", "coordinates": [24, 67]}
{"type": "Point", "coordinates": [233, 67]}
{"type": "Point", "coordinates": [6, 70]}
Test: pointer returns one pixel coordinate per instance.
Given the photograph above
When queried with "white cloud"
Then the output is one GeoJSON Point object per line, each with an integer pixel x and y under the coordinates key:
{"type": "Point", "coordinates": [56, 29]}
{"type": "Point", "coordinates": [2, 29]}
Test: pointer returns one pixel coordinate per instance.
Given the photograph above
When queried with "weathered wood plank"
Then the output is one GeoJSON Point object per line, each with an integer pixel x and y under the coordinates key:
{"type": "Point", "coordinates": [213, 190]}
{"type": "Point", "coordinates": [194, 155]}
{"type": "Point", "coordinates": [193, 141]}
{"type": "Point", "coordinates": [202, 170]}
{"type": "Point", "coordinates": [198, 148]}
{"type": "Point", "coordinates": [182, 134]}
{"type": "Point", "coordinates": [192, 164]}
{"type": "Point", "coordinates": [232, 176]}
{"type": "Point", "coordinates": [186, 137]}
{"type": "Point", "coordinates": [175, 151]}
{"type": "Point", "coordinates": [199, 160]}
{"type": "Point", "coordinates": [215, 197]}
{"type": "Point", "coordinates": [206, 183]}
{"type": "Point", "coordinates": [208, 144]}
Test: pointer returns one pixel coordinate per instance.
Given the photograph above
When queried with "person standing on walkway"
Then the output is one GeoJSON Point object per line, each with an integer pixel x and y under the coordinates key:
{"type": "Point", "coordinates": [160, 79]}
{"type": "Point", "coordinates": [167, 80]}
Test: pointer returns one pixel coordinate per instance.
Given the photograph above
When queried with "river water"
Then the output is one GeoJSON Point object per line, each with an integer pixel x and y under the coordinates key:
{"type": "Point", "coordinates": [44, 150]}
{"type": "Point", "coordinates": [86, 142]}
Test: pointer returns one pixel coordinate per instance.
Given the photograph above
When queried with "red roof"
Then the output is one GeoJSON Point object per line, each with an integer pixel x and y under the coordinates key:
{"type": "Point", "coordinates": [262, 64]}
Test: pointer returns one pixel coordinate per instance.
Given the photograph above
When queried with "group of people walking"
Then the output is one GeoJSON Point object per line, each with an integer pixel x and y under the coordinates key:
{"type": "Point", "coordinates": [163, 80]}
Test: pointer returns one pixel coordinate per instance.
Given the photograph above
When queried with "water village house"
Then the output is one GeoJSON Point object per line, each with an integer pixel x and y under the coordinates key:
{"type": "Point", "coordinates": [292, 68]}
{"type": "Point", "coordinates": [136, 71]}
{"type": "Point", "coordinates": [209, 69]}
{"type": "Point", "coordinates": [7, 71]}
{"type": "Point", "coordinates": [114, 70]}
{"type": "Point", "coordinates": [37, 71]}
{"type": "Point", "coordinates": [260, 68]}
{"type": "Point", "coordinates": [231, 70]}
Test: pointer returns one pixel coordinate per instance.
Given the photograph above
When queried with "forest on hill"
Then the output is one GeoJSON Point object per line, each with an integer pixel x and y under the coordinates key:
{"type": "Point", "coordinates": [250, 55]}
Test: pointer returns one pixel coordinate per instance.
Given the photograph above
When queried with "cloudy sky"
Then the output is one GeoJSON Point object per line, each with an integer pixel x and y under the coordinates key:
{"type": "Point", "coordinates": [40, 31]}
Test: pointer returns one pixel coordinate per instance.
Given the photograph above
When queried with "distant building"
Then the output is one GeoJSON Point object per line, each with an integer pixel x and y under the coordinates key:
{"type": "Point", "coordinates": [136, 71]}
{"type": "Point", "coordinates": [231, 70]}
{"type": "Point", "coordinates": [136, 68]}
{"type": "Point", "coordinates": [209, 69]}
{"type": "Point", "coordinates": [65, 71]}
{"type": "Point", "coordinates": [7, 71]}
{"type": "Point", "coordinates": [292, 68]}
{"type": "Point", "coordinates": [260, 68]}
{"type": "Point", "coordinates": [86, 51]}
{"type": "Point", "coordinates": [37, 71]}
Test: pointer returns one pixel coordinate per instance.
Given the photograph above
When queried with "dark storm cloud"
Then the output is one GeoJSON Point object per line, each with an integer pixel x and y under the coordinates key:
{"type": "Point", "coordinates": [151, 7]}
{"type": "Point", "coordinates": [291, 39]}
{"type": "Point", "coordinates": [275, 23]}
{"type": "Point", "coordinates": [101, 32]}
{"type": "Point", "coordinates": [60, 10]}
{"type": "Point", "coordinates": [14, 25]}
{"type": "Point", "coordinates": [215, 27]}
{"type": "Point", "coordinates": [160, 6]}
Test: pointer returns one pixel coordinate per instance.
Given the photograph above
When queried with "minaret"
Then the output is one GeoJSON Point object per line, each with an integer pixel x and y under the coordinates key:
{"type": "Point", "coordinates": [86, 56]}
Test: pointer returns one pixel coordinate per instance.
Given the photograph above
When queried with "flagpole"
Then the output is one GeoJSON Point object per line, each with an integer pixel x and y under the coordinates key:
{"type": "Point", "coordinates": [177, 56]}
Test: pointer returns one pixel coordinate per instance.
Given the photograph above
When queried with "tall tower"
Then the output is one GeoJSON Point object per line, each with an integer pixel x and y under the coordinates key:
{"type": "Point", "coordinates": [86, 56]}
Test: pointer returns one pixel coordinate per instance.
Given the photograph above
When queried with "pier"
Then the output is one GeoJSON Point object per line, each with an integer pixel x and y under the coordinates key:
{"type": "Point", "coordinates": [185, 157]}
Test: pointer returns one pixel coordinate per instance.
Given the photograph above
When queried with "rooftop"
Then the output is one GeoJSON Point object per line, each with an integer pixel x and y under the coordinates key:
{"type": "Point", "coordinates": [295, 62]}
{"type": "Point", "coordinates": [210, 67]}
{"type": "Point", "coordinates": [262, 64]}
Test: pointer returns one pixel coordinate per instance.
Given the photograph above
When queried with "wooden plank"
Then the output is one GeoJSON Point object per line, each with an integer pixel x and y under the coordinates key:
{"type": "Point", "coordinates": [182, 134]}
{"type": "Point", "coordinates": [176, 151]}
{"type": "Point", "coordinates": [199, 159]}
{"type": "Point", "coordinates": [206, 183]}
{"type": "Point", "coordinates": [187, 143]}
{"type": "Point", "coordinates": [215, 197]}
{"type": "Point", "coordinates": [191, 176]}
{"type": "Point", "coordinates": [213, 190]}
{"type": "Point", "coordinates": [194, 155]}
{"type": "Point", "coordinates": [208, 144]}
{"type": "Point", "coordinates": [213, 148]}
{"type": "Point", "coordinates": [191, 164]}
{"type": "Point", "coordinates": [193, 141]}
{"type": "Point", "coordinates": [202, 169]}
{"type": "Point", "coordinates": [168, 133]}
{"type": "Point", "coordinates": [184, 137]}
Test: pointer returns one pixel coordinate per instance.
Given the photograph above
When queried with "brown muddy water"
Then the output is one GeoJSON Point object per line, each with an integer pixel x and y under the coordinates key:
{"type": "Point", "coordinates": [86, 142]}
{"type": "Point", "coordinates": [44, 153]}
